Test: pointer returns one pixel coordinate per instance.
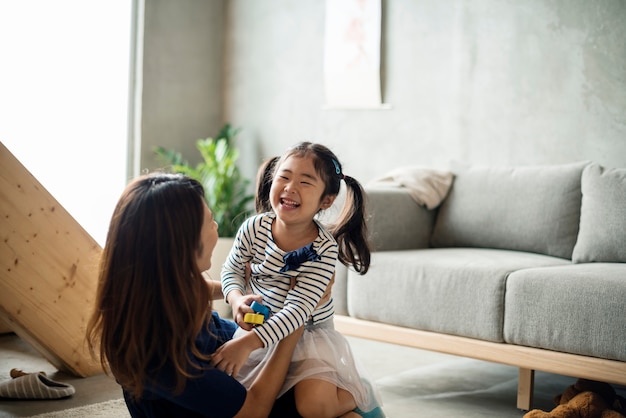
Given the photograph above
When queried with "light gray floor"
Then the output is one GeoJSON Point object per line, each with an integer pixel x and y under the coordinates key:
{"type": "Point", "coordinates": [412, 383]}
{"type": "Point", "coordinates": [15, 353]}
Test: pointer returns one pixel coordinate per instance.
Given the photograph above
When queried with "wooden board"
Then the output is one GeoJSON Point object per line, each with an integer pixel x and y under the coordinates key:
{"type": "Point", "coordinates": [5, 328]}
{"type": "Point", "coordinates": [48, 270]}
{"type": "Point", "coordinates": [527, 359]}
{"type": "Point", "coordinates": [610, 371]}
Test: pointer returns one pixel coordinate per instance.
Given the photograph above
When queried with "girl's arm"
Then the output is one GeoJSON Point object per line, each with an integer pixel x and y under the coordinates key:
{"type": "Point", "coordinates": [240, 303]}
{"type": "Point", "coordinates": [231, 356]}
{"type": "Point", "coordinates": [235, 273]}
{"type": "Point", "coordinates": [313, 279]}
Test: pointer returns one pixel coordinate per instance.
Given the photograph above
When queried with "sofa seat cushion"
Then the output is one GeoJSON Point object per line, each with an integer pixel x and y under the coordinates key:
{"type": "Point", "coordinates": [458, 291]}
{"type": "Point", "coordinates": [577, 309]}
{"type": "Point", "coordinates": [531, 208]}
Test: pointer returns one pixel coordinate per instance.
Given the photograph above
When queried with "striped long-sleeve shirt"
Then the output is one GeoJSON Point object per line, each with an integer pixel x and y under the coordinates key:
{"type": "Point", "coordinates": [291, 308]}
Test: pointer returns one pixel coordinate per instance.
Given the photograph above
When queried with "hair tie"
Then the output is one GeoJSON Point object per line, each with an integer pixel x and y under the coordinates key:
{"type": "Point", "coordinates": [336, 164]}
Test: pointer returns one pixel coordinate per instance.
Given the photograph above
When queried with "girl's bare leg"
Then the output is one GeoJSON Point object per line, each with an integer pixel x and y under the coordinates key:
{"type": "Point", "coordinates": [317, 399]}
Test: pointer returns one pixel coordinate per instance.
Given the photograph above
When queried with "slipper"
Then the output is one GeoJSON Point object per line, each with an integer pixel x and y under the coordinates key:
{"type": "Point", "coordinates": [35, 386]}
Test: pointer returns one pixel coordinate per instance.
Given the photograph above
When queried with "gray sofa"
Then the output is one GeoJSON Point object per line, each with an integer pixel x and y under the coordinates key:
{"type": "Point", "coordinates": [524, 266]}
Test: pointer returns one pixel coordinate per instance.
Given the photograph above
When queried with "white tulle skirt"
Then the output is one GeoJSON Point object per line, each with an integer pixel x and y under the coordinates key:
{"type": "Point", "coordinates": [322, 353]}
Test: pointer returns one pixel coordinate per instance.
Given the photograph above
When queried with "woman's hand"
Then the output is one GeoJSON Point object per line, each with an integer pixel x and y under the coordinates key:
{"type": "Point", "coordinates": [231, 356]}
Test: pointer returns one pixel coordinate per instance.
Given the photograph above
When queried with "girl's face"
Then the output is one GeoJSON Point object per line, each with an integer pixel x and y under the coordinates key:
{"type": "Point", "coordinates": [297, 189]}
{"type": "Point", "coordinates": [208, 240]}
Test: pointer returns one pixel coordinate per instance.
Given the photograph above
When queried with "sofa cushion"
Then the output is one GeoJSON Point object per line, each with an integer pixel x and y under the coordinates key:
{"type": "Point", "coordinates": [532, 208]}
{"type": "Point", "coordinates": [450, 290]}
{"type": "Point", "coordinates": [577, 309]}
{"type": "Point", "coordinates": [602, 234]}
{"type": "Point", "coordinates": [391, 209]}
{"type": "Point", "coordinates": [340, 289]}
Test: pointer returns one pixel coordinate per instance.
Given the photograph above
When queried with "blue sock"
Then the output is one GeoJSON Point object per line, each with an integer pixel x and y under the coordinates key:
{"type": "Point", "coordinates": [374, 413]}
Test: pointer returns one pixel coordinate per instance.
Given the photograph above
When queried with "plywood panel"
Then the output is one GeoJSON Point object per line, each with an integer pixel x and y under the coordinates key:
{"type": "Point", "coordinates": [48, 270]}
{"type": "Point", "coordinates": [5, 328]}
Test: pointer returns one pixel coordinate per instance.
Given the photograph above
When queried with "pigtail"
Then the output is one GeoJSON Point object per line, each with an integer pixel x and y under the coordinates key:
{"type": "Point", "coordinates": [350, 230]}
{"type": "Point", "coordinates": [264, 184]}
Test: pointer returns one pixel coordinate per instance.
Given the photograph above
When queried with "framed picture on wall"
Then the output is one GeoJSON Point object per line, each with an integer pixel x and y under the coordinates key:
{"type": "Point", "coordinates": [352, 54]}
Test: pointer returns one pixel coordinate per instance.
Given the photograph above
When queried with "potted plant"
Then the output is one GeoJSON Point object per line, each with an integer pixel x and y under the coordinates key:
{"type": "Point", "coordinates": [225, 188]}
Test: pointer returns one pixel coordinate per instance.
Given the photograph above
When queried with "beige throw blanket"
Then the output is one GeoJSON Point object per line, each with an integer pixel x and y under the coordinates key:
{"type": "Point", "coordinates": [427, 186]}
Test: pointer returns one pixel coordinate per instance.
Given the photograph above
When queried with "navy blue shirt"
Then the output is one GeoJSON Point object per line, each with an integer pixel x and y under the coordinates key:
{"type": "Point", "coordinates": [212, 394]}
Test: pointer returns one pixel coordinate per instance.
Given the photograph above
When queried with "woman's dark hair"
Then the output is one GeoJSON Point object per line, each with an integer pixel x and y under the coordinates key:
{"type": "Point", "coordinates": [350, 228]}
{"type": "Point", "coordinates": [152, 301]}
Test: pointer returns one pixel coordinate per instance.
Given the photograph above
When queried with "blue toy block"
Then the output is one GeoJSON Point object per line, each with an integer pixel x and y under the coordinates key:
{"type": "Point", "coordinates": [260, 309]}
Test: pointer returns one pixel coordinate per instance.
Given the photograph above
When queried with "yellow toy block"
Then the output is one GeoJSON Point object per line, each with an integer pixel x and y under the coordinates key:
{"type": "Point", "coordinates": [253, 318]}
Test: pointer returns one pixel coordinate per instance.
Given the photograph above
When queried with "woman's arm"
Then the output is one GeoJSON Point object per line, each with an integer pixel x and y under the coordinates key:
{"type": "Point", "coordinates": [231, 356]}
{"type": "Point", "coordinates": [264, 390]}
{"type": "Point", "coordinates": [215, 287]}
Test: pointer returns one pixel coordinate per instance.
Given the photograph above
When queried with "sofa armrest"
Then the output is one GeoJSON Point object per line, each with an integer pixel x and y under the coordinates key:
{"type": "Point", "coordinates": [396, 221]}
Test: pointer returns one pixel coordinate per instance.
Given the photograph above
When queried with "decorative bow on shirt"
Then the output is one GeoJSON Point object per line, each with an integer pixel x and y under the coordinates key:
{"type": "Point", "coordinates": [293, 259]}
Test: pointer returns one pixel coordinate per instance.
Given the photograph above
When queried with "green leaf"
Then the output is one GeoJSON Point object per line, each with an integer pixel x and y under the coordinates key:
{"type": "Point", "coordinates": [225, 188]}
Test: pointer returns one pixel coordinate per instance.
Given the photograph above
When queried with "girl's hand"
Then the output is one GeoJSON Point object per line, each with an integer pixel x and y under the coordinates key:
{"type": "Point", "coordinates": [241, 306]}
{"type": "Point", "coordinates": [231, 356]}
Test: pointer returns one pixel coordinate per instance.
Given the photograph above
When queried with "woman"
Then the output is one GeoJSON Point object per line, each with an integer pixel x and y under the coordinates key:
{"type": "Point", "coordinates": [153, 323]}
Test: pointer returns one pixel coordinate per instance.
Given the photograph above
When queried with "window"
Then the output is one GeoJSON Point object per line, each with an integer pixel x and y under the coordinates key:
{"type": "Point", "coordinates": [64, 99]}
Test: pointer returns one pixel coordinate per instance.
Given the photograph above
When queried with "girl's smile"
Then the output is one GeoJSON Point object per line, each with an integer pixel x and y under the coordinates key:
{"type": "Point", "coordinates": [297, 188]}
{"type": "Point", "coordinates": [288, 203]}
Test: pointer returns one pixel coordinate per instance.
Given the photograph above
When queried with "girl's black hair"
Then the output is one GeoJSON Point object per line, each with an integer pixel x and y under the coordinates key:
{"type": "Point", "coordinates": [264, 184]}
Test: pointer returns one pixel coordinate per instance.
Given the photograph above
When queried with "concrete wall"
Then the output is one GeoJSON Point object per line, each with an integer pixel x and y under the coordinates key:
{"type": "Point", "coordinates": [180, 76]}
{"type": "Point", "coordinates": [486, 81]}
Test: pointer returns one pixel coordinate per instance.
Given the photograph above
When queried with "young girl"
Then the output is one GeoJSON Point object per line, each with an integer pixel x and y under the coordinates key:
{"type": "Point", "coordinates": [292, 259]}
